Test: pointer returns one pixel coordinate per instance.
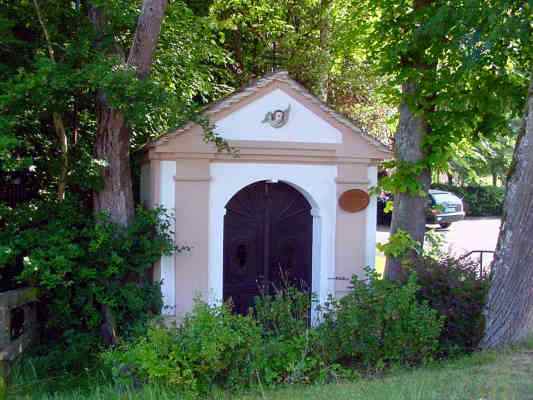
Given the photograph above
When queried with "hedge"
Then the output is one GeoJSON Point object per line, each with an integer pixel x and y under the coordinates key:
{"type": "Point", "coordinates": [479, 201]}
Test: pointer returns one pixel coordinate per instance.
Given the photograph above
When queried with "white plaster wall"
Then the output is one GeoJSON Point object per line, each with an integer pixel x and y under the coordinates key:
{"type": "Point", "coordinates": [316, 182]}
{"type": "Point", "coordinates": [145, 185]}
{"type": "Point", "coordinates": [303, 125]}
{"type": "Point", "coordinates": [167, 198]}
{"type": "Point", "coordinates": [371, 219]}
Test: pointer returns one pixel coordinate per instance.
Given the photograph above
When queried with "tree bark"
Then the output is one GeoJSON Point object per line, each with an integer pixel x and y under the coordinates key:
{"type": "Point", "coordinates": [450, 179]}
{"type": "Point", "coordinates": [509, 311]}
{"type": "Point", "coordinates": [113, 134]}
{"type": "Point", "coordinates": [409, 212]}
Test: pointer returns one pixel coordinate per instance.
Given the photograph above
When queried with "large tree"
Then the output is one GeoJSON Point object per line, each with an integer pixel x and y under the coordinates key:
{"type": "Point", "coordinates": [454, 87]}
{"type": "Point", "coordinates": [510, 303]}
{"type": "Point", "coordinates": [112, 144]}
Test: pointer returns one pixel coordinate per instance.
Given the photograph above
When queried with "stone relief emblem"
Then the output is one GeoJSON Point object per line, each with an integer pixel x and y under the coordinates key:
{"type": "Point", "coordinates": [277, 118]}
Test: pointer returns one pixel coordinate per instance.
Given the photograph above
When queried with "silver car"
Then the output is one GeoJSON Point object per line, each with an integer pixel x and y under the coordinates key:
{"type": "Point", "coordinates": [444, 208]}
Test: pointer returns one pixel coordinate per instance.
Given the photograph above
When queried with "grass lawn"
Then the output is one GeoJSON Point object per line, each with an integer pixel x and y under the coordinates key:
{"type": "Point", "coordinates": [506, 375]}
{"type": "Point", "coordinates": [484, 376]}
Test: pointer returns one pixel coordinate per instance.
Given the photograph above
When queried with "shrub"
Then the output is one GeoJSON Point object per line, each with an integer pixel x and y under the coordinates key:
{"type": "Point", "coordinates": [76, 353]}
{"type": "Point", "coordinates": [479, 201]}
{"type": "Point", "coordinates": [285, 313]}
{"type": "Point", "coordinates": [377, 324]}
{"type": "Point", "coordinates": [454, 288]}
{"type": "Point", "coordinates": [288, 347]}
{"type": "Point", "coordinates": [380, 323]}
{"type": "Point", "coordinates": [212, 347]}
{"type": "Point", "coordinates": [81, 262]}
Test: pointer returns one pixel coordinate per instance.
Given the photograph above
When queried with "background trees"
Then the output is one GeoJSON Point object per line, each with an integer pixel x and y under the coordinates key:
{"type": "Point", "coordinates": [33, 87]}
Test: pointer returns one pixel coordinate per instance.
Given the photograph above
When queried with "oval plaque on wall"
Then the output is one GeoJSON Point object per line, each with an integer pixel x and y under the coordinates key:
{"type": "Point", "coordinates": [354, 200]}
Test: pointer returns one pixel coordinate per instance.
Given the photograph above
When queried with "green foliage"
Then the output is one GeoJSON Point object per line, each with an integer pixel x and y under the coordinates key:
{"type": "Point", "coordinates": [479, 201]}
{"type": "Point", "coordinates": [434, 245]}
{"type": "Point", "coordinates": [377, 324]}
{"type": "Point", "coordinates": [455, 289]}
{"type": "Point", "coordinates": [81, 263]}
{"type": "Point", "coordinates": [380, 323]}
{"type": "Point", "coordinates": [470, 83]}
{"type": "Point", "coordinates": [403, 179]}
{"type": "Point", "coordinates": [211, 347]}
{"type": "Point", "coordinates": [285, 313]}
{"type": "Point", "coordinates": [313, 40]}
{"type": "Point", "coordinates": [186, 72]}
{"type": "Point", "coordinates": [289, 345]}
{"type": "Point", "coordinates": [73, 354]}
{"type": "Point", "coordinates": [215, 348]}
{"type": "Point", "coordinates": [399, 245]}
{"type": "Point", "coordinates": [470, 163]}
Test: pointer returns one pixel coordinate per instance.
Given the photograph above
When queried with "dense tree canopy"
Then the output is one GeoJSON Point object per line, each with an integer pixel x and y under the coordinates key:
{"type": "Point", "coordinates": [33, 88]}
{"type": "Point", "coordinates": [205, 49]}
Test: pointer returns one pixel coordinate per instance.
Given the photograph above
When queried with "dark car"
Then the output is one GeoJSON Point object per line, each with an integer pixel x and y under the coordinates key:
{"type": "Point", "coordinates": [443, 208]}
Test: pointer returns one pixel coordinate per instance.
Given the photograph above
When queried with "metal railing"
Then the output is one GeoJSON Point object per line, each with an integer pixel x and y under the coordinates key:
{"type": "Point", "coordinates": [482, 256]}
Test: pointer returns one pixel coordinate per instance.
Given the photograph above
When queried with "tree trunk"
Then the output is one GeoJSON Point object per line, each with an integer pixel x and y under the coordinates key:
{"type": "Point", "coordinates": [409, 212]}
{"type": "Point", "coordinates": [113, 135]}
{"type": "Point", "coordinates": [239, 57]}
{"type": "Point", "coordinates": [113, 146]}
{"type": "Point", "coordinates": [509, 310]}
{"type": "Point", "coordinates": [450, 179]}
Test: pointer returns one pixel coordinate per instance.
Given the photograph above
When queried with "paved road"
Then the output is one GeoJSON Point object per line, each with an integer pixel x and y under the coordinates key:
{"type": "Point", "coordinates": [463, 236]}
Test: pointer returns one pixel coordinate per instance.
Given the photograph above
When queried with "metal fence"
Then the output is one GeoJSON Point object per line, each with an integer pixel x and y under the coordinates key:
{"type": "Point", "coordinates": [484, 258]}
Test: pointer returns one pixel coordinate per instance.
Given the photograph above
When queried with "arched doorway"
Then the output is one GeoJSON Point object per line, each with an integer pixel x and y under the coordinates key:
{"type": "Point", "coordinates": [268, 235]}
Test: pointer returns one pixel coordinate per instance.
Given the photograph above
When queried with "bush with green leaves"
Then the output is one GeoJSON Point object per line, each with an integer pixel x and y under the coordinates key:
{"type": "Point", "coordinates": [377, 324]}
{"type": "Point", "coordinates": [211, 348]}
{"type": "Point", "coordinates": [380, 323]}
{"type": "Point", "coordinates": [479, 201]}
{"type": "Point", "coordinates": [289, 343]}
{"type": "Point", "coordinates": [456, 290]}
{"type": "Point", "coordinates": [81, 262]}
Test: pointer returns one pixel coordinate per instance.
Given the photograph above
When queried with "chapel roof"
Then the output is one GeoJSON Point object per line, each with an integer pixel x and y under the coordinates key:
{"type": "Point", "coordinates": [256, 85]}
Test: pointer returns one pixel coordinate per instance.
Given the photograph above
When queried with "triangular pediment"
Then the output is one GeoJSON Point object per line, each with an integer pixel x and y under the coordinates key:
{"type": "Point", "coordinates": [277, 116]}
{"type": "Point", "coordinates": [246, 117]}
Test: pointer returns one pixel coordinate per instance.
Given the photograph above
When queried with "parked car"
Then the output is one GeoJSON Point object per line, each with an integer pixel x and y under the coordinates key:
{"type": "Point", "coordinates": [443, 208]}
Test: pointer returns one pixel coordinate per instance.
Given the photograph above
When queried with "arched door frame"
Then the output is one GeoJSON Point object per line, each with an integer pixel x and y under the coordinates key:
{"type": "Point", "coordinates": [317, 185]}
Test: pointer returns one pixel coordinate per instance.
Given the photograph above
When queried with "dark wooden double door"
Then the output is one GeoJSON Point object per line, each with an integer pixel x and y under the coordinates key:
{"type": "Point", "coordinates": [268, 233]}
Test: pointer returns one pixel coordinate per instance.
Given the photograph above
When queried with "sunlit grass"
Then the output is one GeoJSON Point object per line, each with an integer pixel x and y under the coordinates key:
{"type": "Point", "coordinates": [505, 375]}
{"type": "Point", "coordinates": [490, 375]}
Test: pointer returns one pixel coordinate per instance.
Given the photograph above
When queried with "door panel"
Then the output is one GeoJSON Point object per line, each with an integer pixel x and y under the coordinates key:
{"type": "Point", "coordinates": [243, 246]}
{"type": "Point", "coordinates": [291, 239]}
{"type": "Point", "coordinates": [267, 239]}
